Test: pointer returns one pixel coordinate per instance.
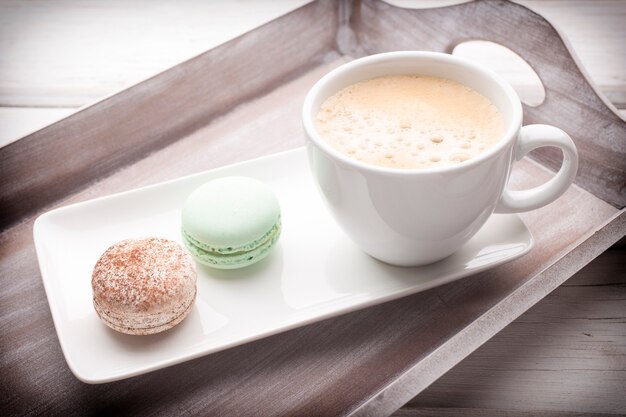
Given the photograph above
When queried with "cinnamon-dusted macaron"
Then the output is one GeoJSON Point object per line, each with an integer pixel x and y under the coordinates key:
{"type": "Point", "coordinates": [144, 286]}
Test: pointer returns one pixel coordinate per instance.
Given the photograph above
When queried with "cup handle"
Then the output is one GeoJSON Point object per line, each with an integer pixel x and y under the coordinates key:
{"type": "Point", "coordinates": [532, 137]}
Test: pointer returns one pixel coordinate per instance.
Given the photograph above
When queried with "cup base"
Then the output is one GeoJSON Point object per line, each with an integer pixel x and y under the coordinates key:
{"type": "Point", "coordinates": [410, 262]}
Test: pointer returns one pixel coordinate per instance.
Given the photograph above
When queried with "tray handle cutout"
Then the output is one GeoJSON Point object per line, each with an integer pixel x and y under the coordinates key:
{"type": "Point", "coordinates": [572, 101]}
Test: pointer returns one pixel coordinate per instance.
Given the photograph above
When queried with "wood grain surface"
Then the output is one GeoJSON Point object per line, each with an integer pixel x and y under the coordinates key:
{"type": "Point", "coordinates": [369, 362]}
{"type": "Point", "coordinates": [49, 67]}
{"type": "Point", "coordinates": [123, 128]}
{"type": "Point", "coordinates": [68, 53]}
{"type": "Point", "coordinates": [566, 356]}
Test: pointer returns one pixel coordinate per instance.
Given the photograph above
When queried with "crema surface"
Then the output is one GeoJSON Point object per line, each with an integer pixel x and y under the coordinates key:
{"type": "Point", "coordinates": [409, 122]}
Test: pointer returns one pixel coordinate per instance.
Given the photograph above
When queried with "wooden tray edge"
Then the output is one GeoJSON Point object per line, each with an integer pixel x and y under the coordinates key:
{"type": "Point", "coordinates": [120, 129]}
{"type": "Point", "coordinates": [572, 100]}
{"type": "Point", "coordinates": [405, 386]}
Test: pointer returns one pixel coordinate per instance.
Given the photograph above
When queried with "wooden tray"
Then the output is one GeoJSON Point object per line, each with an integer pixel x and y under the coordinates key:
{"type": "Point", "coordinates": [242, 100]}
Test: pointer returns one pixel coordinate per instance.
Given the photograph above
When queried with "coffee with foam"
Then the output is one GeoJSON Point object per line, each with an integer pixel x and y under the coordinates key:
{"type": "Point", "coordinates": [409, 122]}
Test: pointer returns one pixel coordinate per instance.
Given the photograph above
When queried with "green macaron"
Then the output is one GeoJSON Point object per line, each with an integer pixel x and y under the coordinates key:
{"type": "Point", "coordinates": [231, 222]}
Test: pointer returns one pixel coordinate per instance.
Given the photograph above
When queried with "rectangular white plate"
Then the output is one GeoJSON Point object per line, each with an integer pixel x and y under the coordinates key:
{"type": "Point", "coordinates": [313, 273]}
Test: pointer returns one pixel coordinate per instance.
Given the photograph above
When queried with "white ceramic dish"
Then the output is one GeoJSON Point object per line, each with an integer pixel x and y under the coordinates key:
{"type": "Point", "coordinates": [315, 271]}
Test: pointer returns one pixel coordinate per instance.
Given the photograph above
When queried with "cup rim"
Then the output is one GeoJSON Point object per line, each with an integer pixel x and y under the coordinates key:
{"type": "Point", "coordinates": [508, 136]}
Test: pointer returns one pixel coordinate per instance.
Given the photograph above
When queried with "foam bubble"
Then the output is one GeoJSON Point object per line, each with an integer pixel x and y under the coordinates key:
{"type": "Point", "coordinates": [436, 139]}
{"type": "Point", "coordinates": [459, 157]}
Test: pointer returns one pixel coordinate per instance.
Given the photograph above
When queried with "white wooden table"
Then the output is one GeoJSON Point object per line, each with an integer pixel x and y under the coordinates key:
{"type": "Point", "coordinates": [566, 355]}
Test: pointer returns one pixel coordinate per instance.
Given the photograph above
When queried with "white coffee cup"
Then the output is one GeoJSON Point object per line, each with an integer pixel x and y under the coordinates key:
{"type": "Point", "coordinates": [412, 217]}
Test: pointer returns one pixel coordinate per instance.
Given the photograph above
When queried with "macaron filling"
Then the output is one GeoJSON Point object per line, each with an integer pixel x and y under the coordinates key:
{"type": "Point", "coordinates": [145, 324]}
{"type": "Point", "coordinates": [233, 257]}
{"type": "Point", "coordinates": [227, 250]}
